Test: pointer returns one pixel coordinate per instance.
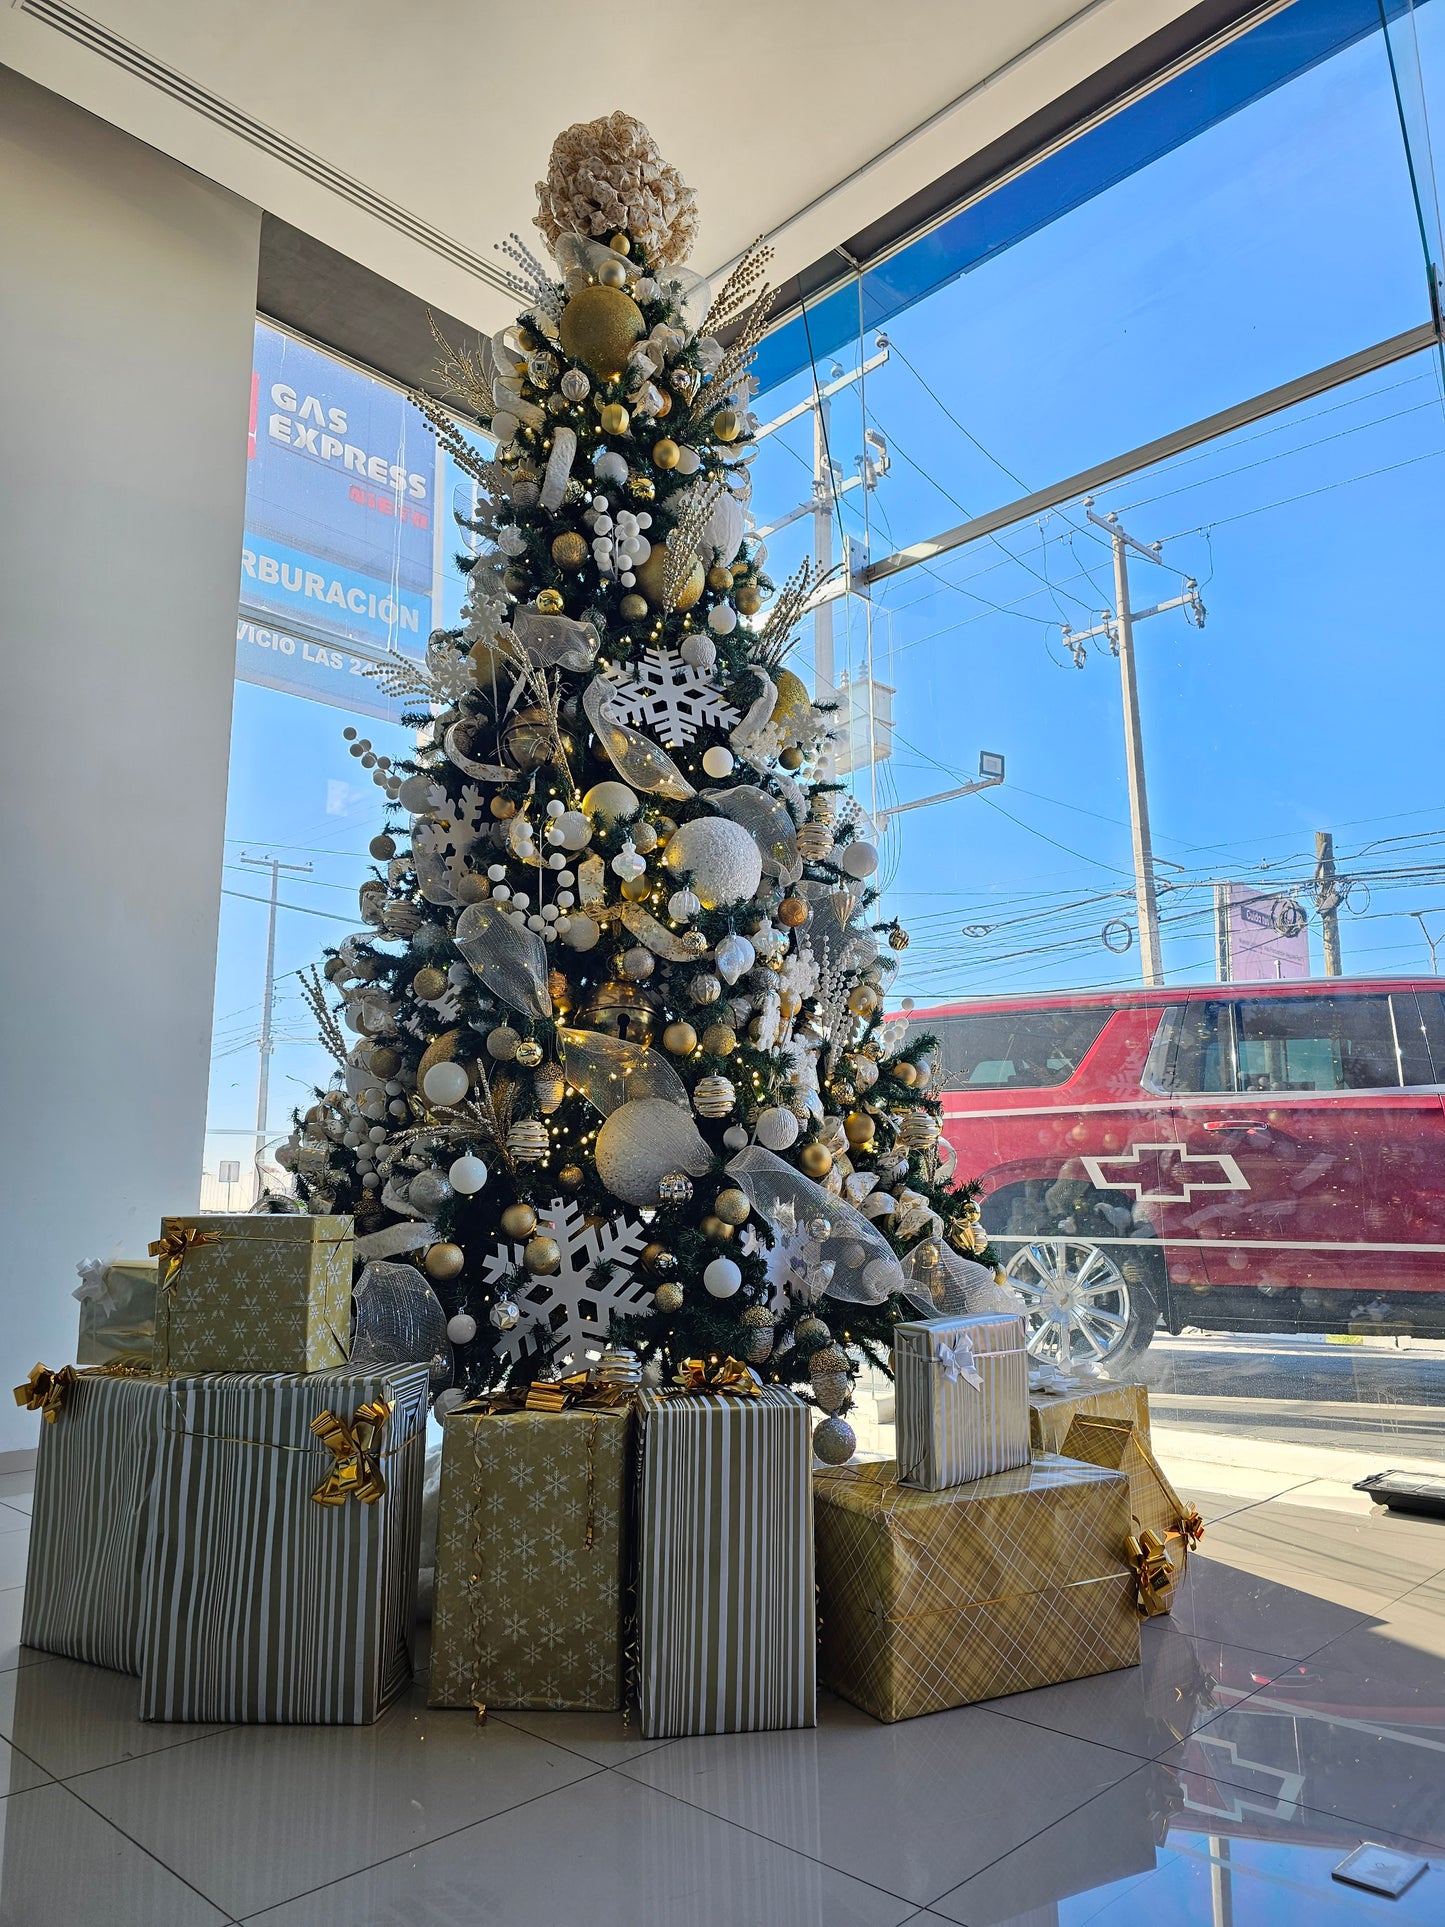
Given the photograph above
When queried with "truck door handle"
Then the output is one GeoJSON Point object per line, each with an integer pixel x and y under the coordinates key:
{"type": "Point", "coordinates": [1237, 1124]}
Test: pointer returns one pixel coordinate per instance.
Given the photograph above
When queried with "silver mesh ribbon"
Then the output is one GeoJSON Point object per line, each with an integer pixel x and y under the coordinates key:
{"type": "Point", "coordinates": [510, 959]}
{"type": "Point", "coordinates": [942, 1282]}
{"type": "Point", "coordinates": [637, 759]}
{"type": "Point", "coordinates": [399, 1321]}
{"type": "Point", "coordinates": [555, 642]}
{"type": "Point", "coordinates": [865, 1267]}
{"type": "Point", "coordinates": [610, 1072]}
{"type": "Point", "coordinates": [767, 822]}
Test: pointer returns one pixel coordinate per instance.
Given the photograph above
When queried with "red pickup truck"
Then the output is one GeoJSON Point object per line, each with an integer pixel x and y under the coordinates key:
{"type": "Point", "coordinates": [1237, 1156]}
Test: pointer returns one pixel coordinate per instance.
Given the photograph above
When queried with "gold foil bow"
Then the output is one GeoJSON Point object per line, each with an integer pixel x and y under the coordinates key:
{"type": "Point", "coordinates": [731, 1376]}
{"type": "Point", "coordinates": [45, 1391]}
{"type": "Point", "coordinates": [556, 1394]}
{"type": "Point", "coordinates": [356, 1449]}
{"type": "Point", "coordinates": [171, 1248]}
{"type": "Point", "coordinates": [1192, 1527]}
{"type": "Point", "coordinates": [1152, 1572]}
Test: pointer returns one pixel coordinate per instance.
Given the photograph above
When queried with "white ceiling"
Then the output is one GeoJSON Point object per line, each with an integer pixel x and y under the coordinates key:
{"type": "Point", "coordinates": [798, 118]}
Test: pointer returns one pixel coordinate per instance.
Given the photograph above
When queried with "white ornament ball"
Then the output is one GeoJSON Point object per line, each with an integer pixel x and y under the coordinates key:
{"type": "Point", "coordinates": [445, 1084]}
{"type": "Point", "coordinates": [449, 1400]}
{"type": "Point", "coordinates": [699, 652]}
{"type": "Point", "coordinates": [581, 932]}
{"type": "Point", "coordinates": [610, 466]}
{"type": "Point", "coordinates": [733, 956]}
{"type": "Point", "coordinates": [462, 1329]}
{"type": "Point", "coordinates": [717, 761]}
{"type": "Point", "coordinates": [723, 859]}
{"type": "Point", "coordinates": [419, 793]}
{"type": "Point", "coordinates": [569, 831]}
{"type": "Point", "coordinates": [722, 1278]}
{"type": "Point", "coordinates": [723, 619]}
{"type": "Point", "coordinates": [688, 460]}
{"type": "Point", "coordinates": [776, 1129]}
{"type": "Point", "coordinates": [467, 1175]}
{"type": "Point", "coordinates": [735, 1137]}
{"type": "Point", "coordinates": [609, 802]}
{"type": "Point", "coordinates": [683, 906]}
{"type": "Point", "coordinates": [858, 860]}
{"type": "Point", "coordinates": [642, 1142]}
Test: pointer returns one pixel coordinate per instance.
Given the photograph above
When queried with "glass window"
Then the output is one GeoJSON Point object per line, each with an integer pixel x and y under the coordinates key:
{"type": "Point", "coordinates": [1315, 1044]}
{"type": "Point", "coordinates": [1015, 1050]}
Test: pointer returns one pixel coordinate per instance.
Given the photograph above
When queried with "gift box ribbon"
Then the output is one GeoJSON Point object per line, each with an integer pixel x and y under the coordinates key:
{"type": "Point", "coordinates": [731, 1376]}
{"type": "Point", "coordinates": [957, 1361]}
{"type": "Point", "coordinates": [45, 1391]}
{"type": "Point", "coordinates": [1153, 1573]}
{"type": "Point", "coordinates": [356, 1448]}
{"type": "Point", "coordinates": [171, 1248]}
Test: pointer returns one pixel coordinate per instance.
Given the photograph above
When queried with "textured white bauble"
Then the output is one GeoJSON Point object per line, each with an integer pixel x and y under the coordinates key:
{"type": "Point", "coordinates": [449, 1400]}
{"type": "Point", "coordinates": [717, 761]}
{"type": "Point", "coordinates": [581, 932]}
{"type": "Point", "coordinates": [445, 1084]}
{"type": "Point", "coordinates": [733, 956]}
{"type": "Point", "coordinates": [570, 831]}
{"type": "Point", "coordinates": [641, 1142]}
{"type": "Point", "coordinates": [776, 1128]}
{"type": "Point", "coordinates": [683, 906]}
{"type": "Point", "coordinates": [722, 1278]}
{"type": "Point", "coordinates": [419, 793]}
{"type": "Point", "coordinates": [610, 466]}
{"type": "Point", "coordinates": [462, 1329]}
{"type": "Point", "coordinates": [467, 1175]}
{"type": "Point", "coordinates": [723, 858]}
{"type": "Point", "coordinates": [609, 801]}
{"type": "Point", "coordinates": [699, 652]}
{"type": "Point", "coordinates": [858, 860]}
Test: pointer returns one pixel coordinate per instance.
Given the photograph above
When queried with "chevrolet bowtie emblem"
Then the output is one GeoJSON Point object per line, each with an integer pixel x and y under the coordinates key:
{"type": "Point", "coordinates": [1165, 1173]}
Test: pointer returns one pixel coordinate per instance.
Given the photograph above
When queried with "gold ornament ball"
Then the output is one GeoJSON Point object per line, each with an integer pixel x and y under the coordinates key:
{"type": "Point", "coordinates": [758, 1318]}
{"type": "Point", "coordinates": [514, 582]}
{"type": "Point", "coordinates": [719, 579]}
{"type": "Point", "coordinates": [441, 1050]}
{"type": "Point", "coordinates": [385, 1062]}
{"type": "Point", "coordinates": [634, 889]}
{"type": "Point", "coordinates": [732, 1207]}
{"type": "Point", "coordinates": [858, 1128]}
{"type": "Point", "coordinates": [529, 1053]}
{"type": "Point", "coordinates": [906, 1074]}
{"type": "Point", "coordinates": [472, 889]}
{"type": "Point", "coordinates": [519, 1221]}
{"type": "Point", "coordinates": [649, 580]}
{"type": "Point", "coordinates": [620, 244]}
{"type": "Point", "coordinates": [633, 608]}
{"type": "Point", "coordinates": [862, 1000]}
{"type": "Point", "coordinates": [680, 1039]}
{"type": "Point", "coordinates": [550, 603]}
{"type": "Point", "coordinates": [503, 808]}
{"type": "Point", "coordinates": [665, 453]}
{"type": "Point", "coordinates": [335, 968]}
{"type": "Point", "coordinates": [898, 938]}
{"type": "Point", "coordinates": [569, 550]}
{"type": "Point", "coordinates": [793, 912]}
{"type": "Point", "coordinates": [571, 1177]}
{"type": "Point", "coordinates": [542, 1256]}
{"type": "Point", "coordinates": [444, 1260]}
{"type": "Point", "coordinates": [382, 847]}
{"type": "Point", "coordinates": [715, 1228]}
{"type": "Point", "coordinates": [599, 328]}
{"type": "Point", "coordinates": [727, 424]}
{"type": "Point", "coordinates": [816, 1160]}
{"type": "Point", "coordinates": [668, 1298]}
{"type": "Point", "coordinates": [748, 599]}
{"type": "Point", "coordinates": [615, 418]}
{"type": "Point", "coordinates": [640, 488]}
{"type": "Point", "coordinates": [429, 984]}
{"type": "Point", "coordinates": [720, 1040]}
{"type": "Point", "coordinates": [790, 758]}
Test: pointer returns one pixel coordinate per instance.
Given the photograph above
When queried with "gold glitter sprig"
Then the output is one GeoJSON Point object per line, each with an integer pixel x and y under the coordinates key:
{"type": "Point", "coordinates": [742, 286]}
{"type": "Point", "coordinates": [684, 546]}
{"type": "Point", "coordinates": [326, 1024]}
{"type": "Point", "coordinates": [776, 637]}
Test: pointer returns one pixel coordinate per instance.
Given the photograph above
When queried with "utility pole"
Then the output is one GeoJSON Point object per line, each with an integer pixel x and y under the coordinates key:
{"type": "Point", "coordinates": [1327, 901]}
{"type": "Point", "coordinates": [828, 488]}
{"type": "Point", "coordinates": [1118, 626]}
{"type": "Point", "coordinates": [267, 1045]}
{"type": "Point", "coordinates": [1223, 972]}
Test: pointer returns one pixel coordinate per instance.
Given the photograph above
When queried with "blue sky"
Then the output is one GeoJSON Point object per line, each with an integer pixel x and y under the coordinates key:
{"type": "Point", "coordinates": [1272, 244]}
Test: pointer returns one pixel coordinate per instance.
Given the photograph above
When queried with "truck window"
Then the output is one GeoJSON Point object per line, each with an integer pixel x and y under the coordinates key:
{"type": "Point", "coordinates": [1014, 1050]}
{"type": "Point", "coordinates": [1295, 1044]}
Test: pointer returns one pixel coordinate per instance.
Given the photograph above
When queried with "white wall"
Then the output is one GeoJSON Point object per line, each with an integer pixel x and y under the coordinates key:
{"type": "Point", "coordinates": [127, 297]}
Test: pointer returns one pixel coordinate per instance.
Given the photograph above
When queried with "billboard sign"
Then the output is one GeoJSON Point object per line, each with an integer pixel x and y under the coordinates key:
{"type": "Point", "coordinates": [345, 549]}
{"type": "Point", "coordinates": [1265, 938]}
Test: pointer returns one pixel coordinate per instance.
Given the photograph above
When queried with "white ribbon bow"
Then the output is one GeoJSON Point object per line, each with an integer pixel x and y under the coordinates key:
{"type": "Point", "coordinates": [958, 1362]}
{"type": "Point", "coordinates": [94, 1281]}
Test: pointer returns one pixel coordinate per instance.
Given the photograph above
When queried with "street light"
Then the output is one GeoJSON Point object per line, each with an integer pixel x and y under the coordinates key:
{"type": "Point", "coordinates": [990, 775]}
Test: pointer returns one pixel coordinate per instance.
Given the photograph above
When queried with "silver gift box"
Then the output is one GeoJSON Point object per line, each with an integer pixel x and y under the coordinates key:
{"type": "Point", "coordinates": [962, 1398]}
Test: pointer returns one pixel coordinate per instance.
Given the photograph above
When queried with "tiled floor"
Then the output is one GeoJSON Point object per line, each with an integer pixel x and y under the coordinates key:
{"type": "Point", "coordinates": [1293, 1706]}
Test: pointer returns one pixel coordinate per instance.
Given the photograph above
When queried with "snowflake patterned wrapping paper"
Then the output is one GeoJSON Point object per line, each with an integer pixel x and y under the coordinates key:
{"type": "Point", "coordinates": [1052, 1413]}
{"type": "Point", "coordinates": [531, 1571]}
{"type": "Point", "coordinates": [726, 1615]}
{"type": "Point", "coordinates": [962, 1398]}
{"type": "Point", "coordinates": [89, 1531]}
{"type": "Point", "coordinates": [253, 1294]}
{"type": "Point", "coordinates": [262, 1604]}
{"type": "Point", "coordinates": [938, 1599]}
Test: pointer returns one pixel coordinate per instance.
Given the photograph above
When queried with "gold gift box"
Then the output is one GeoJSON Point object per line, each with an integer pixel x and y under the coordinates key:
{"type": "Point", "coordinates": [118, 1327]}
{"type": "Point", "coordinates": [1155, 1507]}
{"type": "Point", "coordinates": [938, 1599]}
{"type": "Point", "coordinates": [262, 1293]}
{"type": "Point", "coordinates": [1052, 1413]}
{"type": "Point", "coordinates": [531, 1559]}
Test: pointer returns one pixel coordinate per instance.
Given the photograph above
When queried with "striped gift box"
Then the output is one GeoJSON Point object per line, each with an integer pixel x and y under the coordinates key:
{"type": "Point", "coordinates": [726, 1619]}
{"type": "Point", "coordinates": [261, 1604]}
{"type": "Point", "coordinates": [88, 1533]}
{"type": "Point", "coordinates": [962, 1398]}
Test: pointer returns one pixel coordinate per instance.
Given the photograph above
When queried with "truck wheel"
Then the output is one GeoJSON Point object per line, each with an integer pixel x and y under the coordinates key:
{"type": "Point", "coordinates": [1080, 1307]}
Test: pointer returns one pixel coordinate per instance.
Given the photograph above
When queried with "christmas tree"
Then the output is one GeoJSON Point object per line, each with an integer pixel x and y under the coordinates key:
{"type": "Point", "coordinates": [622, 1070]}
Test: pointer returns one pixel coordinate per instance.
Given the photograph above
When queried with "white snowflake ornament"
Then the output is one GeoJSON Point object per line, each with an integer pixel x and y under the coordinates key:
{"type": "Point", "coordinates": [671, 698]}
{"type": "Point", "coordinates": [571, 1314]}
